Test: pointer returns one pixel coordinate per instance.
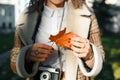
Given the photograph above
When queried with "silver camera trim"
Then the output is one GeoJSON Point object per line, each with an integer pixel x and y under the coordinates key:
{"type": "Point", "coordinates": [47, 74]}
{"type": "Point", "coordinates": [55, 73]}
{"type": "Point", "coordinates": [53, 70]}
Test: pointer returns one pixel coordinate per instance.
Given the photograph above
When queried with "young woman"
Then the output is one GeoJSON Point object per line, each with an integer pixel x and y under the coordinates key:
{"type": "Point", "coordinates": [36, 58]}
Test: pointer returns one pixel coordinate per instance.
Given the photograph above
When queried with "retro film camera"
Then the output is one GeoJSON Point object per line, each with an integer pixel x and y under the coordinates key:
{"type": "Point", "coordinates": [49, 73]}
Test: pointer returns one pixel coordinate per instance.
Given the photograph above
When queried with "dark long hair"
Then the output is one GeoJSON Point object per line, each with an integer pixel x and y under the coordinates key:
{"type": "Point", "coordinates": [38, 4]}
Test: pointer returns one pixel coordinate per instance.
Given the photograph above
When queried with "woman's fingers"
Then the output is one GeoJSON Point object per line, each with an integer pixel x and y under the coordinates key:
{"type": "Point", "coordinates": [44, 51]}
{"type": "Point", "coordinates": [79, 39]}
{"type": "Point", "coordinates": [77, 44]}
{"type": "Point", "coordinates": [39, 56]}
{"type": "Point", "coordinates": [44, 46]}
{"type": "Point", "coordinates": [79, 50]}
{"type": "Point", "coordinates": [40, 52]}
{"type": "Point", "coordinates": [80, 55]}
{"type": "Point", "coordinates": [80, 46]}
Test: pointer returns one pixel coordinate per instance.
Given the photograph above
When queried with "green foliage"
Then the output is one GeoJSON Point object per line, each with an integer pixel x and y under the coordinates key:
{"type": "Point", "coordinates": [111, 69]}
{"type": "Point", "coordinates": [6, 42]}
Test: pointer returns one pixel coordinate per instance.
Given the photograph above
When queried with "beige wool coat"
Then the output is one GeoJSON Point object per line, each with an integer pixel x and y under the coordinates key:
{"type": "Point", "coordinates": [85, 25]}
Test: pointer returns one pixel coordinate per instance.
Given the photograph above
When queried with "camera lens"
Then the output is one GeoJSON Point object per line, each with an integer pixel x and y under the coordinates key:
{"type": "Point", "coordinates": [45, 76]}
{"type": "Point", "coordinates": [57, 70]}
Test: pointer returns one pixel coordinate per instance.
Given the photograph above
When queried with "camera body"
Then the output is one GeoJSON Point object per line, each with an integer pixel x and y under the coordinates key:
{"type": "Point", "coordinates": [49, 73]}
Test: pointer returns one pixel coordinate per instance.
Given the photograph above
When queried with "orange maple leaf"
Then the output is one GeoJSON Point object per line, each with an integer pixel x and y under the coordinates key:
{"type": "Point", "coordinates": [62, 39]}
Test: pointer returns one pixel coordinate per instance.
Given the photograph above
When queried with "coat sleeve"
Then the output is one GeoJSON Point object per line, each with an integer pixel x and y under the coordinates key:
{"type": "Point", "coordinates": [14, 52]}
{"type": "Point", "coordinates": [95, 40]}
{"type": "Point", "coordinates": [18, 62]}
{"type": "Point", "coordinates": [96, 62]}
{"type": "Point", "coordinates": [95, 36]}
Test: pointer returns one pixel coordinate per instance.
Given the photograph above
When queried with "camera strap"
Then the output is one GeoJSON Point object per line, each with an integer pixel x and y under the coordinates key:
{"type": "Point", "coordinates": [59, 53]}
{"type": "Point", "coordinates": [60, 60]}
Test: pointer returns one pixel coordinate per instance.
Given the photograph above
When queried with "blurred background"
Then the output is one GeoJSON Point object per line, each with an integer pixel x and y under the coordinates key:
{"type": "Point", "coordinates": [107, 13]}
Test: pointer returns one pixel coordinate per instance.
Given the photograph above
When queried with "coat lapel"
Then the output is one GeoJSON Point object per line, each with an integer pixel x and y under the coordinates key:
{"type": "Point", "coordinates": [26, 26]}
{"type": "Point", "coordinates": [78, 22]}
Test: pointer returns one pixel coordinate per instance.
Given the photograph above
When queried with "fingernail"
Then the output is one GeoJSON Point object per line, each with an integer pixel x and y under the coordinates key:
{"type": "Point", "coordinates": [68, 41]}
{"type": "Point", "coordinates": [52, 48]}
{"type": "Point", "coordinates": [51, 51]}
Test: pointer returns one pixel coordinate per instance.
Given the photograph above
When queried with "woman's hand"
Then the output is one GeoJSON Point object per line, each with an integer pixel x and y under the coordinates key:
{"type": "Point", "coordinates": [81, 47]}
{"type": "Point", "coordinates": [39, 52]}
